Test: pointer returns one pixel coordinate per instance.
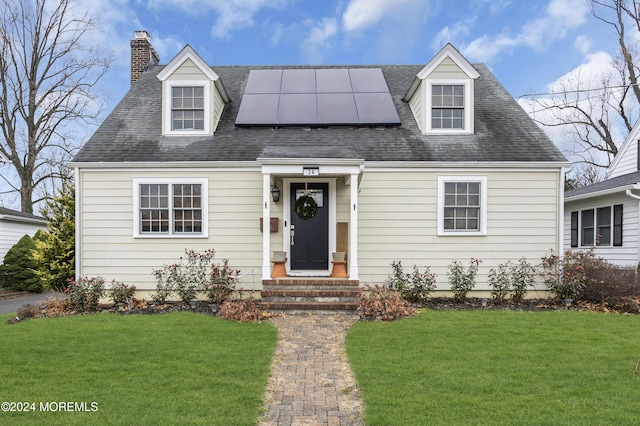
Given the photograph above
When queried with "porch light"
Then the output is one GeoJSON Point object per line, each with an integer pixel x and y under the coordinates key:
{"type": "Point", "coordinates": [275, 193]}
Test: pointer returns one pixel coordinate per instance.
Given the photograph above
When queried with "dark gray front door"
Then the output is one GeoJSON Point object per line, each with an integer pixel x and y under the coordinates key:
{"type": "Point", "coordinates": [310, 240]}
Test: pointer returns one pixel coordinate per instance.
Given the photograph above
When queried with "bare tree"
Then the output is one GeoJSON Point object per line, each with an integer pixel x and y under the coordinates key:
{"type": "Point", "coordinates": [47, 77]}
{"type": "Point", "coordinates": [600, 113]}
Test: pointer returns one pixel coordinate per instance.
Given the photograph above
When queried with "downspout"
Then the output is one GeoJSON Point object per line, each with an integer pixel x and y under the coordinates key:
{"type": "Point", "coordinates": [634, 196]}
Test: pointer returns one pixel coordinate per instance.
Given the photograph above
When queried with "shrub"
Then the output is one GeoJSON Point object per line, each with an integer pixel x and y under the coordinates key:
{"type": "Point", "coordinates": [462, 280]}
{"type": "Point", "coordinates": [122, 293]}
{"type": "Point", "coordinates": [84, 295]}
{"type": "Point", "coordinates": [565, 278]}
{"type": "Point", "coordinates": [27, 311]}
{"type": "Point", "coordinates": [381, 302]}
{"type": "Point", "coordinates": [523, 275]}
{"type": "Point", "coordinates": [413, 287]}
{"type": "Point", "coordinates": [222, 282]}
{"type": "Point", "coordinates": [500, 282]}
{"type": "Point", "coordinates": [18, 270]}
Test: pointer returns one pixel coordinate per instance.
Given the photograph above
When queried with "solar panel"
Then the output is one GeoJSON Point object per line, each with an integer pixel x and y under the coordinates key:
{"type": "Point", "coordinates": [316, 97]}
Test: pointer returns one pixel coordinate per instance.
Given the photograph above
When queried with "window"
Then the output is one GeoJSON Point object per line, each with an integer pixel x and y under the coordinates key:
{"type": "Point", "coordinates": [170, 208]}
{"type": "Point", "coordinates": [601, 227]}
{"type": "Point", "coordinates": [462, 205]}
{"type": "Point", "coordinates": [447, 106]}
{"type": "Point", "coordinates": [187, 108]}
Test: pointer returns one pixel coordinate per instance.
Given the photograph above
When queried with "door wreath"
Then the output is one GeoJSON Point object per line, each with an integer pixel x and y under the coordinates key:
{"type": "Point", "coordinates": [306, 207]}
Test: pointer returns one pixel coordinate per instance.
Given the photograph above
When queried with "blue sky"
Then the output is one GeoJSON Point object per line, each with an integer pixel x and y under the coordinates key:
{"type": "Point", "coordinates": [527, 44]}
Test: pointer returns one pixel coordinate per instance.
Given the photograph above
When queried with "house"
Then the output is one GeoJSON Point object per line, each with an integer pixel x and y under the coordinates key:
{"type": "Point", "coordinates": [15, 225]}
{"type": "Point", "coordinates": [605, 215]}
{"type": "Point", "coordinates": [421, 163]}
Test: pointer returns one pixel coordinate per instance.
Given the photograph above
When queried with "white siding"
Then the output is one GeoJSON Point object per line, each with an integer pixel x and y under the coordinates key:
{"type": "Point", "coordinates": [628, 162]}
{"type": "Point", "coordinates": [447, 69]}
{"type": "Point", "coordinates": [188, 70]}
{"type": "Point", "coordinates": [628, 253]}
{"type": "Point", "coordinates": [417, 105]}
{"type": "Point", "coordinates": [11, 232]}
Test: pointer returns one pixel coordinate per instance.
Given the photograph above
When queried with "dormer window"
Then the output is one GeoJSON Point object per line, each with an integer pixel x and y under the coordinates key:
{"type": "Point", "coordinates": [187, 108]}
{"type": "Point", "coordinates": [447, 106]}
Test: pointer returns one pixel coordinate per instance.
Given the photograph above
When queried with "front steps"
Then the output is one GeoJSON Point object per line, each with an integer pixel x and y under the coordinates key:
{"type": "Point", "coordinates": [310, 294]}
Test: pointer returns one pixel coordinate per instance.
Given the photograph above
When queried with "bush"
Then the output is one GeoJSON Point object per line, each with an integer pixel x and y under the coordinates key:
{"type": "Point", "coordinates": [222, 282]}
{"type": "Point", "coordinates": [523, 275]}
{"type": "Point", "coordinates": [121, 293]}
{"type": "Point", "coordinates": [380, 302]}
{"type": "Point", "coordinates": [462, 280]}
{"type": "Point", "coordinates": [18, 270]}
{"type": "Point", "coordinates": [500, 282]}
{"type": "Point", "coordinates": [84, 295]}
{"type": "Point", "coordinates": [413, 287]}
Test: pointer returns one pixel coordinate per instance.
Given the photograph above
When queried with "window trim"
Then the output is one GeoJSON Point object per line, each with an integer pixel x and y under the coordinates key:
{"type": "Point", "coordinates": [482, 180]}
{"type": "Point", "coordinates": [616, 228]}
{"type": "Point", "coordinates": [171, 181]}
{"type": "Point", "coordinates": [468, 120]}
{"type": "Point", "coordinates": [167, 106]}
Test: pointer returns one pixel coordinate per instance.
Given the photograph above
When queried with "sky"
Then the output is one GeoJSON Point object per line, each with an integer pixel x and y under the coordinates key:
{"type": "Point", "coordinates": [529, 45]}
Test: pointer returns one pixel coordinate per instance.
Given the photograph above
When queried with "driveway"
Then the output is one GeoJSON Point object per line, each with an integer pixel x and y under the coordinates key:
{"type": "Point", "coordinates": [12, 305]}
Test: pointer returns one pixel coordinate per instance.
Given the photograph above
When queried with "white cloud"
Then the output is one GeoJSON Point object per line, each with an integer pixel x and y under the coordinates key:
{"type": "Point", "coordinates": [233, 15]}
{"type": "Point", "coordinates": [582, 44]}
{"type": "Point", "coordinates": [361, 14]}
{"type": "Point", "coordinates": [318, 40]}
{"type": "Point", "coordinates": [538, 33]}
{"type": "Point", "coordinates": [451, 33]}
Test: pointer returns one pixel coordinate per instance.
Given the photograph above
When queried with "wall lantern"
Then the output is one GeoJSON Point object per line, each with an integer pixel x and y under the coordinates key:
{"type": "Point", "coordinates": [275, 193]}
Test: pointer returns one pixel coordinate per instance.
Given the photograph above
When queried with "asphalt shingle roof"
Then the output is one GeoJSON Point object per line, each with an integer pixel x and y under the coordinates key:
{"type": "Point", "coordinates": [503, 130]}
{"type": "Point", "coordinates": [15, 213]}
{"type": "Point", "coordinates": [606, 185]}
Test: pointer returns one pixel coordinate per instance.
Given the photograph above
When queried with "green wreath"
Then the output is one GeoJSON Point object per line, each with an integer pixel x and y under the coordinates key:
{"type": "Point", "coordinates": [306, 207]}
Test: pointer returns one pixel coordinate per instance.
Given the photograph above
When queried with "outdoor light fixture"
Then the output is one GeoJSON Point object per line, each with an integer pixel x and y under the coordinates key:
{"type": "Point", "coordinates": [275, 193]}
{"type": "Point", "coordinates": [484, 302]}
{"type": "Point", "coordinates": [568, 302]}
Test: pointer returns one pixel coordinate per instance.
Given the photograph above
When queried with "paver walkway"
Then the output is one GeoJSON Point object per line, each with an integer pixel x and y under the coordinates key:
{"type": "Point", "coordinates": [311, 382]}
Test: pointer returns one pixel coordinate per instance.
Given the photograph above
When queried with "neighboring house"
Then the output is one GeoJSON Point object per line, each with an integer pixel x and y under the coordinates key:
{"type": "Point", "coordinates": [421, 163]}
{"type": "Point", "coordinates": [606, 214]}
{"type": "Point", "coordinates": [14, 225]}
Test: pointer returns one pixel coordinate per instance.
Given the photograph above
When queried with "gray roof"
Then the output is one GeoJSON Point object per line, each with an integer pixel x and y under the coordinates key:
{"type": "Point", "coordinates": [21, 215]}
{"type": "Point", "coordinates": [503, 130]}
{"type": "Point", "coordinates": [620, 182]}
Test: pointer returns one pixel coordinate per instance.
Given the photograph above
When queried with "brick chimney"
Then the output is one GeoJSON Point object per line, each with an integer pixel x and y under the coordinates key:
{"type": "Point", "coordinates": [143, 54]}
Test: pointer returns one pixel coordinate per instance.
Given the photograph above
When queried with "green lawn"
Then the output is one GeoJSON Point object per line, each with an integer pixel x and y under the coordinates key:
{"type": "Point", "coordinates": [180, 368]}
{"type": "Point", "coordinates": [498, 367]}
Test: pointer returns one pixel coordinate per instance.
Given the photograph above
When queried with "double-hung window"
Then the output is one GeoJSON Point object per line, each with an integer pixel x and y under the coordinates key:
{"type": "Point", "coordinates": [447, 106]}
{"type": "Point", "coordinates": [462, 205]}
{"type": "Point", "coordinates": [601, 226]}
{"type": "Point", "coordinates": [170, 208]}
{"type": "Point", "coordinates": [187, 108]}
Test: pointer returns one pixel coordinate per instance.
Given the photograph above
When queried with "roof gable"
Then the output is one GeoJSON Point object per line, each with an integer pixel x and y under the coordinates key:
{"type": "Point", "coordinates": [452, 53]}
{"type": "Point", "coordinates": [626, 160]}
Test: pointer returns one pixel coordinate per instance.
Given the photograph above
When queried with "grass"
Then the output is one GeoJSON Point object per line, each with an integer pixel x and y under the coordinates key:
{"type": "Point", "coordinates": [180, 368]}
{"type": "Point", "coordinates": [498, 367]}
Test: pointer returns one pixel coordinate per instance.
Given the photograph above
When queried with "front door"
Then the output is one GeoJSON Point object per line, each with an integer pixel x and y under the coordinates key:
{"type": "Point", "coordinates": [310, 237]}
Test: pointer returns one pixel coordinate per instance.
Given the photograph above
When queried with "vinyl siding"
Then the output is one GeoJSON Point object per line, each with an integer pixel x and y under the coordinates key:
{"type": "Point", "coordinates": [397, 218]}
{"type": "Point", "coordinates": [417, 105]}
{"type": "Point", "coordinates": [11, 232]}
{"type": "Point", "coordinates": [398, 221]}
{"type": "Point", "coordinates": [628, 253]}
{"type": "Point", "coordinates": [447, 69]}
{"type": "Point", "coordinates": [106, 215]}
{"type": "Point", "coordinates": [628, 162]}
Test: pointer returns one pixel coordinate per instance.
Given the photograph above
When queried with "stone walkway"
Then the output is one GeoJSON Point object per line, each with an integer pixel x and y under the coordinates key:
{"type": "Point", "coordinates": [311, 382]}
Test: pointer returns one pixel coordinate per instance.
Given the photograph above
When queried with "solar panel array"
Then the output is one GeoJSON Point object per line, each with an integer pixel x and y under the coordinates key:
{"type": "Point", "coordinates": [317, 97]}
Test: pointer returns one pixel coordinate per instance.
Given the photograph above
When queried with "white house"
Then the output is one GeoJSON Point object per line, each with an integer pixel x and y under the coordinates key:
{"type": "Point", "coordinates": [421, 163]}
{"type": "Point", "coordinates": [15, 225]}
{"type": "Point", "coordinates": [605, 214]}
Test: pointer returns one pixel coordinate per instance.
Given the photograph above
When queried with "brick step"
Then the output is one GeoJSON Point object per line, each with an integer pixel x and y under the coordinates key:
{"type": "Point", "coordinates": [311, 282]}
{"type": "Point", "coordinates": [309, 306]}
{"type": "Point", "coordinates": [311, 289]}
{"type": "Point", "coordinates": [297, 292]}
{"type": "Point", "coordinates": [323, 299]}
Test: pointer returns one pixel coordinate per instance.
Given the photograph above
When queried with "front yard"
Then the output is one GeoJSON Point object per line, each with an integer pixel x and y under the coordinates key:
{"type": "Point", "coordinates": [498, 367]}
{"type": "Point", "coordinates": [180, 368]}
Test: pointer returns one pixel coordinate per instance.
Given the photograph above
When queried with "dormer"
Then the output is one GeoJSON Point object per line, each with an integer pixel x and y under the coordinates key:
{"type": "Point", "coordinates": [441, 95]}
{"type": "Point", "coordinates": [193, 96]}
